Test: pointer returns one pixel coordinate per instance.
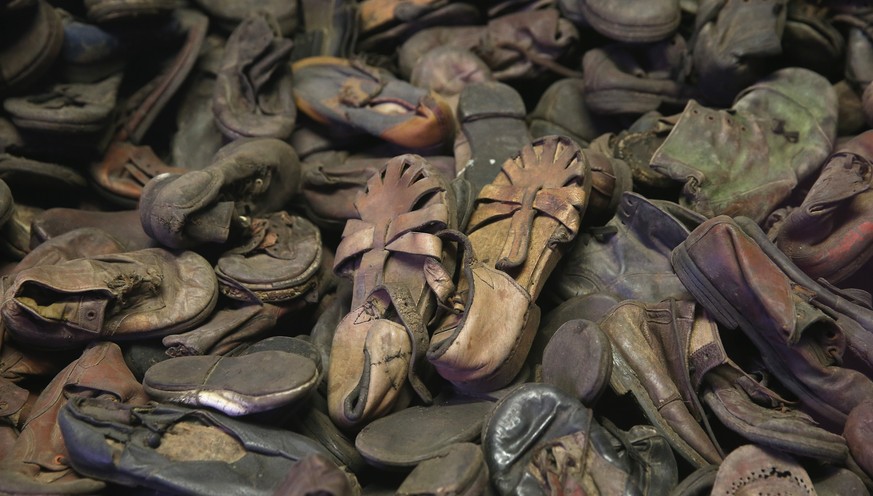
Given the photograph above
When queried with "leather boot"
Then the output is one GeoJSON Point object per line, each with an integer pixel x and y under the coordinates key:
{"type": "Point", "coordinates": [831, 234]}
{"type": "Point", "coordinates": [641, 366]}
{"type": "Point", "coordinates": [735, 280]}
{"type": "Point", "coordinates": [37, 463]}
{"type": "Point", "coordinates": [629, 258]}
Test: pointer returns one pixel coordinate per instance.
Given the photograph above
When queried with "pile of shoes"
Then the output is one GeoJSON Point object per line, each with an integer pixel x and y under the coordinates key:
{"type": "Point", "coordinates": [433, 247]}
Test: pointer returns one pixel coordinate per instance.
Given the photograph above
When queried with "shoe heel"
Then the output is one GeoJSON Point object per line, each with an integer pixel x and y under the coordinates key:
{"type": "Point", "coordinates": [705, 293]}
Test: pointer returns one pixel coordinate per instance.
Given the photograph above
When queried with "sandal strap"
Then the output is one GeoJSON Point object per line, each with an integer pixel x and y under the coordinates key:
{"type": "Point", "coordinates": [534, 187]}
{"type": "Point", "coordinates": [359, 236]}
{"type": "Point", "coordinates": [403, 303]}
{"type": "Point", "coordinates": [523, 204]}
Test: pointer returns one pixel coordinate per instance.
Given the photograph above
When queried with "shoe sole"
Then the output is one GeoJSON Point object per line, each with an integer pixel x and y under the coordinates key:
{"type": "Point", "coordinates": [629, 33]}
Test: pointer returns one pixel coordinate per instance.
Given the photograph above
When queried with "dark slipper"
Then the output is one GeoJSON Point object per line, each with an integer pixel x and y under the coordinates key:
{"type": "Point", "coordinates": [252, 94]}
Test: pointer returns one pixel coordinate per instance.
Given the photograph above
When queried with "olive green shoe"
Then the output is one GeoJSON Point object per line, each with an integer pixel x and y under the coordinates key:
{"type": "Point", "coordinates": [746, 160]}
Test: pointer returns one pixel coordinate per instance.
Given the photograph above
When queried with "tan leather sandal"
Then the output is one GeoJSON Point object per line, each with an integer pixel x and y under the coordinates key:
{"type": "Point", "coordinates": [519, 228]}
{"type": "Point", "coordinates": [376, 346]}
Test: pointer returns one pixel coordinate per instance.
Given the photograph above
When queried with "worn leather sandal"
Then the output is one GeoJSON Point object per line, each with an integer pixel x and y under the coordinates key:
{"type": "Point", "coordinates": [518, 227]}
{"type": "Point", "coordinates": [331, 181]}
{"type": "Point", "coordinates": [526, 217]}
{"type": "Point", "coordinates": [457, 348]}
{"type": "Point", "coordinates": [377, 345]}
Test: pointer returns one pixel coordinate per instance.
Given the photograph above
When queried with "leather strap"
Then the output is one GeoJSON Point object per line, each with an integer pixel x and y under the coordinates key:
{"type": "Point", "coordinates": [523, 204]}
{"type": "Point", "coordinates": [403, 303]}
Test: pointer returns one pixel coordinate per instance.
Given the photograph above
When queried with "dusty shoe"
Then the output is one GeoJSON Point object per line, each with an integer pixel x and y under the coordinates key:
{"type": "Point", "coordinates": [521, 45]}
{"type": "Point", "coordinates": [461, 470]}
{"type": "Point", "coordinates": [629, 79]}
{"type": "Point", "coordinates": [735, 280]}
{"type": "Point", "coordinates": [316, 474]}
{"type": "Point", "coordinates": [752, 469]}
{"type": "Point", "coordinates": [252, 95]}
{"type": "Point", "coordinates": [123, 444]}
{"type": "Point", "coordinates": [229, 14]}
{"type": "Point", "coordinates": [329, 29]}
{"type": "Point", "coordinates": [447, 70]}
{"type": "Point", "coordinates": [789, 118]}
{"type": "Point", "coordinates": [734, 45]}
{"type": "Point", "coordinates": [122, 225]}
{"type": "Point", "coordinates": [101, 11]}
{"type": "Point", "coordinates": [578, 360]}
{"type": "Point", "coordinates": [248, 177]}
{"type": "Point", "coordinates": [851, 308]}
{"type": "Point", "coordinates": [630, 20]}
{"type": "Point", "coordinates": [830, 234]}
{"type": "Point", "coordinates": [642, 367]}
{"type": "Point", "coordinates": [125, 169]}
{"type": "Point", "coordinates": [510, 231]}
{"type": "Point", "coordinates": [699, 362]}
{"type": "Point", "coordinates": [68, 109]}
{"type": "Point", "coordinates": [252, 382]}
{"type": "Point", "coordinates": [89, 53]}
{"type": "Point", "coordinates": [410, 436]}
{"type": "Point", "coordinates": [384, 24]}
{"type": "Point", "coordinates": [77, 243]}
{"type": "Point", "coordinates": [197, 136]}
{"type": "Point", "coordinates": [486, 110]}
{"type": "Point", "coordinates": [629, 258]}
{"type": "Point", "coordinates": [539, 440]}
{"type": "Point", "coordinates": [140, 109]}
{"type": "Point", "coordinates": [32, 39]}
{"type": "Point", "coordinates": [38, 462]}
{"type": "Point", "coordinates": [225, 329]}
{"type": "Point", "coordinates": [858, 433]}
{"type": "Point", "coordinates": [562, 110]}
{"type": "Point", "coordinates": [277, 260]}
{"type": "Point", "coordinates": [811, 39]}
{"type": "Point", "coordinates": [367, 100]}
{"type": "Point", "coordinates": [133, 295]}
